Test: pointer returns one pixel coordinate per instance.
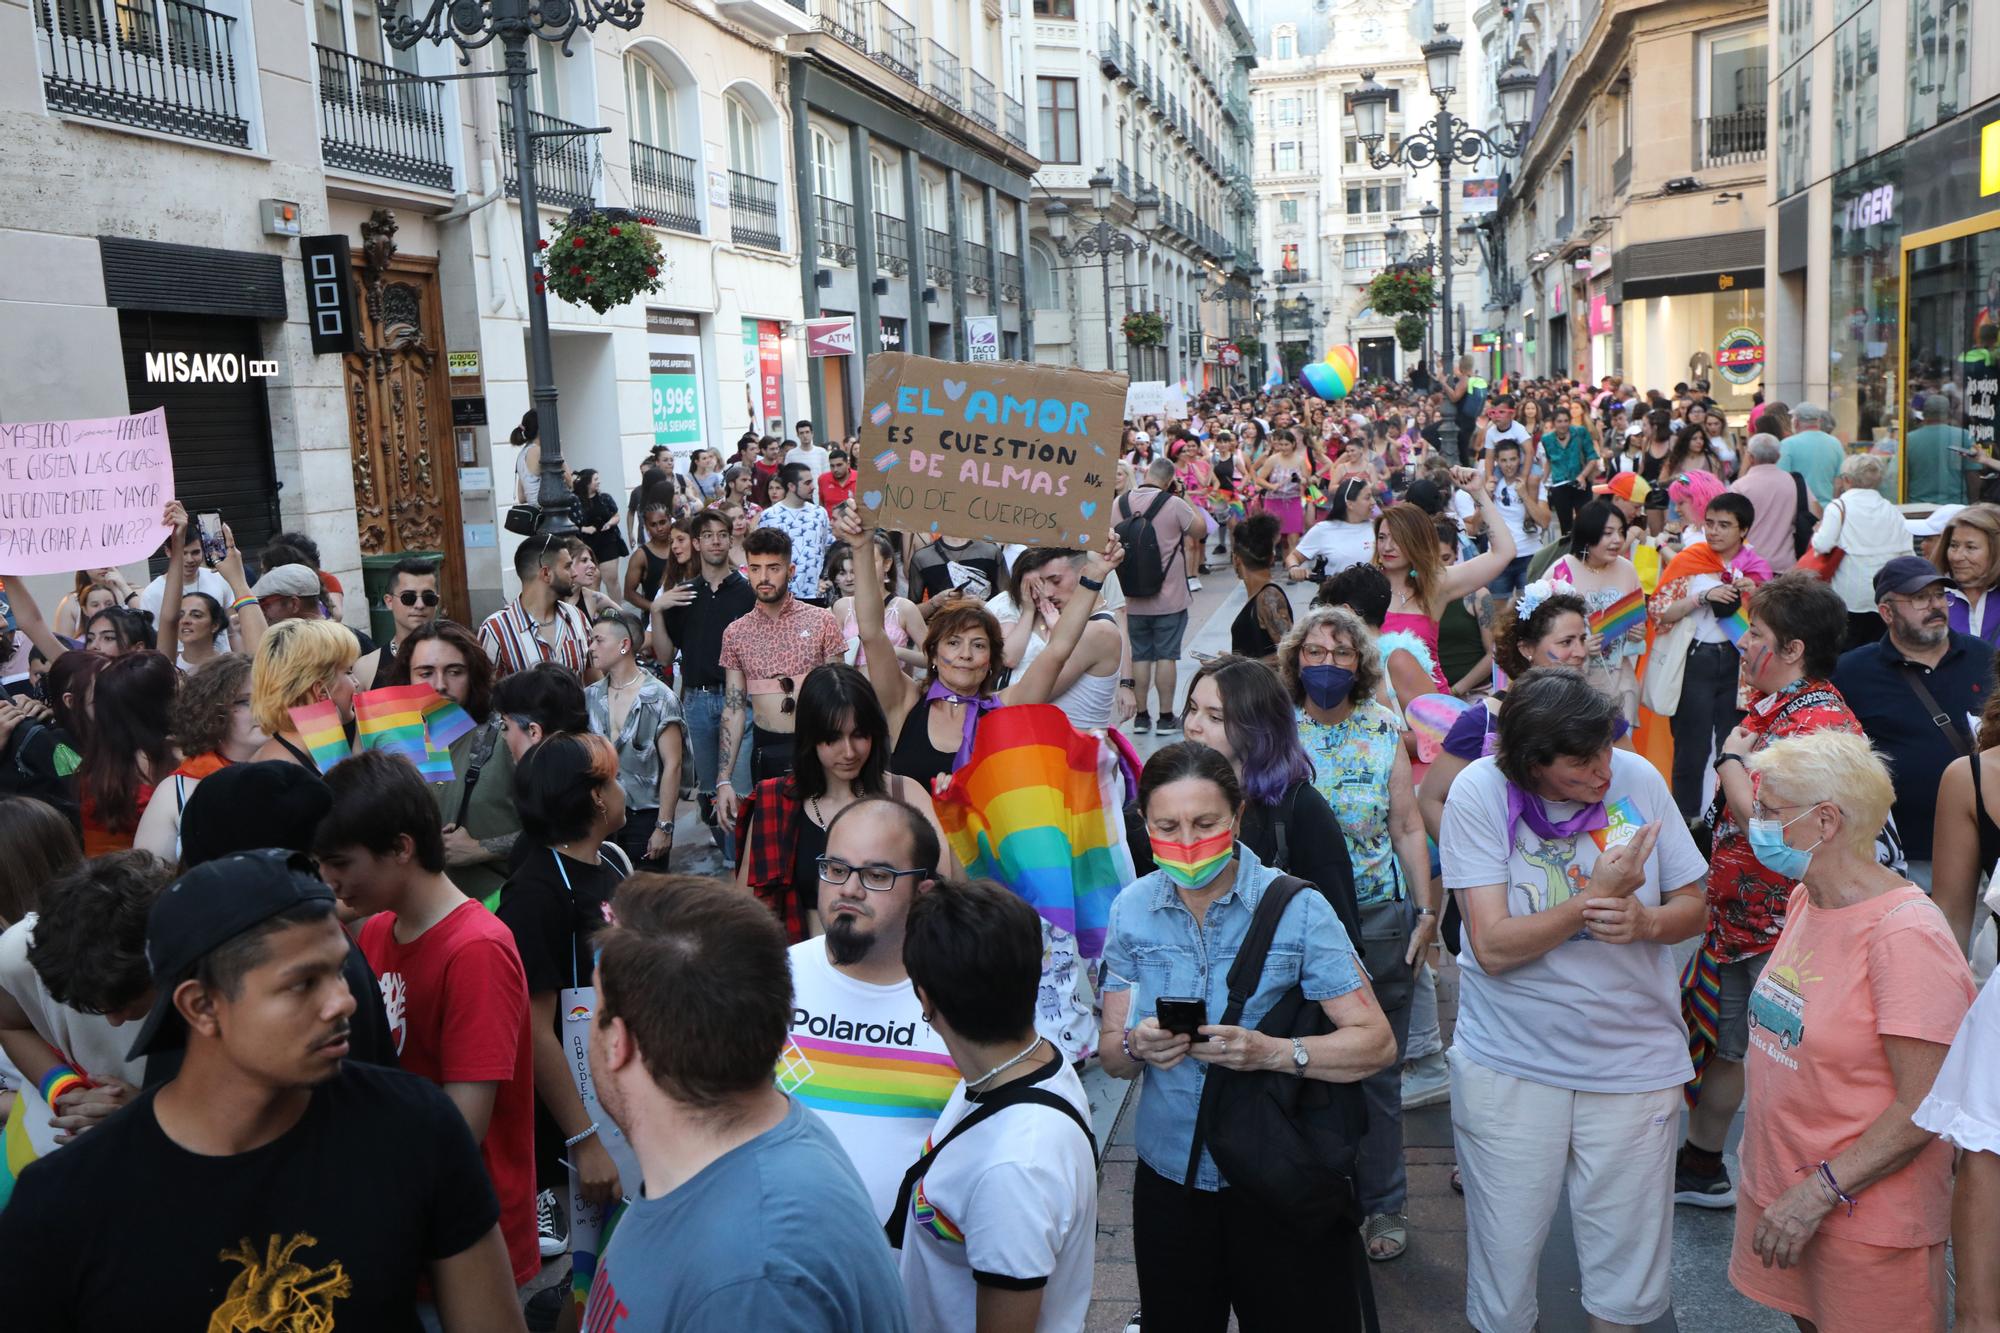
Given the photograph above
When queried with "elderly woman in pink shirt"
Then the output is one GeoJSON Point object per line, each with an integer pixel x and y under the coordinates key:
{"type": "Point", "coordinates": [1775, 495]}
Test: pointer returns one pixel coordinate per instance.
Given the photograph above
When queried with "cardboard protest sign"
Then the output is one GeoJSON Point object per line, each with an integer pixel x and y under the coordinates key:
{"type": "Point", "coordinates": [77, 494]}
{"type": "Point", "coordinates": [1007, 451]}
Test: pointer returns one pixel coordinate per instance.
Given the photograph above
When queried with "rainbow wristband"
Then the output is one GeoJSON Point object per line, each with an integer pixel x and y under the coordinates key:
{"type": "Point", "coordinates": [59, 1081]}
{"type": "Point", "coordinates": [240, 603]}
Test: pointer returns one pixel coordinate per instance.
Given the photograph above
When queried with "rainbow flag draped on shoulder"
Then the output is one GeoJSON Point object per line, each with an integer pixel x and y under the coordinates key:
{"type": "Point", "coordinates": [1039, 807]}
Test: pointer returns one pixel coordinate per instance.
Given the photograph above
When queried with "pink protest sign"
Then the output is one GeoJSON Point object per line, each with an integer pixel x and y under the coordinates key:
{"type": "Point", "coordinates": [80, 494]}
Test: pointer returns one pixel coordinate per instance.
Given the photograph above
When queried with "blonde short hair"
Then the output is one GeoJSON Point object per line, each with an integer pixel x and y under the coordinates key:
{"type": "Point", "coordinates": [1344, 623]}
{"type": "Point", "coordinates": [295, 659]}
{"type": "Point", "coordinates": [1863, 470]}
{"type": "Point", "coordinates": [1838, 768]}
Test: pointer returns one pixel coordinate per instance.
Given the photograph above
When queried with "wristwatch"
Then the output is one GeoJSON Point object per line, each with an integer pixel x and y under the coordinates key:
{"type": "Point", "coordinates": [1299, 1056]}
{"type": "Point", "coordinates": [663, 826]}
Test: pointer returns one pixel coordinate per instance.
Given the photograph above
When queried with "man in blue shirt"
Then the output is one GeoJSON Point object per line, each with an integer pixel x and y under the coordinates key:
{"type": "Point", "coordinates": [1878, 682]}
{"type": "Point", "coordinates": [1812, 451]}
{"type": "Point", "coordinates": [742, 1186]}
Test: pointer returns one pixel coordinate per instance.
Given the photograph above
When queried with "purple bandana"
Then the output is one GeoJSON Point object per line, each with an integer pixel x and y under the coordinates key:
{"type": "Point", "coordinates": [978, 704]}
{"type": "Point", "coordinates": [1524, 807]}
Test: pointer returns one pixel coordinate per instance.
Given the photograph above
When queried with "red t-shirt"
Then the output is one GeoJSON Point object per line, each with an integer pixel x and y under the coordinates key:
{"type": "Point", "coordinates": [457, 1002]}
{"type": "Point", "coordinates": [832, 494]}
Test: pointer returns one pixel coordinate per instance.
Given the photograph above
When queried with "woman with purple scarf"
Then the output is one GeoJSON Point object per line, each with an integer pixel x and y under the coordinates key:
{"type": "Point", "coordinates": [934, 725]}
{"type": "Point", "coordinates": [1574, 874]}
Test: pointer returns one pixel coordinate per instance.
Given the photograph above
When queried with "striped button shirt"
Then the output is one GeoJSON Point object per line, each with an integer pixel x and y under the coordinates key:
{"type": "Point", "coordinates": [510, 638]}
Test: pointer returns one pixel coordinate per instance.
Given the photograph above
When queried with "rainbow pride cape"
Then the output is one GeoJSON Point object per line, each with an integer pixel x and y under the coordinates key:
{"type": "Point", "coordinates": [1039, 808]}
{"type": "Point", "coordinates": [320, 729]}
{"type": "Point", "coordinates": [1620, 618]}
{"type": "Point", "coordinates": [414, 721]}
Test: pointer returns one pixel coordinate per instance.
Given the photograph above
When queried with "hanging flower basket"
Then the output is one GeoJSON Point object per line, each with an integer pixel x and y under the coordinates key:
{"type": "Point", "coordinates": [1398, 291]}
{"type": "Point", "coordinates": [1143, 328]}
{"type": "Point", "coordinates": [1410, 332]}
{"type": "Point", "coordinates": [601, 257]}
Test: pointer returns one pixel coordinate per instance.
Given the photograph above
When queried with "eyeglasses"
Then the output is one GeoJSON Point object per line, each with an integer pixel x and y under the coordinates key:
{"type": "Point", "coordinates": [876, 878]}
{"type": "Point", "coordinates": [1936, 596]}
{"type": "Point", "coordinates": [1315, 654]}
{"type": "Point", "coordinates": [410, 597]}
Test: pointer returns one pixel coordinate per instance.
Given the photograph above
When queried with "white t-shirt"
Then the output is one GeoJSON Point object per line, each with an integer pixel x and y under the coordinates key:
{"type": "Point", "coordinates": [1514, 511]}
{"type": "Point", "coordinates": [1342, 544]}
{"type": "Point", "coordinates": [815, 457]}
{"type": "Point", "coordinates": [1963, 1107]}
{"type": "Point", "coordinates": [1587, 1016]}
{"type": "Point", "coordinates": [208, 581]}
{"type": "Point", "coordinates": [1514, 431]}
{"type": "Point", "coordinates": [1013, 1198]}
{"type": "Point", "coordinates": [863, 1058]}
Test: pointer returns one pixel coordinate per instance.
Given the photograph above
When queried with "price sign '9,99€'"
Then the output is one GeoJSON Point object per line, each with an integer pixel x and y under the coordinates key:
{"type": "Point", "coordinates": [676, 400]}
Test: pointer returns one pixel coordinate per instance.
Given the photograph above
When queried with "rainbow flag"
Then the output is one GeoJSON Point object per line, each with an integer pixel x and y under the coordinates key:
{"type": "Point", "coordinates": [1620, 618]}
{"type": "Point", "coordinates": [414, 721]}
{"type": "Point", "coordinates": [1431, 718]}
{"type": "Point", "coordinates": [1039, 808]}
{"type": "Point", "coordinates": [319, 727]}
{"type": "Point", "coordinates": [1736, 621]}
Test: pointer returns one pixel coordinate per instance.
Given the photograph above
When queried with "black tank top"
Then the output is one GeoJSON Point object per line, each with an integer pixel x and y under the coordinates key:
{"type": "Point", "coordinates": [1989, 833]}
{"type": "Point", "coordinates": [914, 757]}
{"type": "Point", "coordinates": [656, 569]}
{"type": "Point", "coordinates": [1247, 635]}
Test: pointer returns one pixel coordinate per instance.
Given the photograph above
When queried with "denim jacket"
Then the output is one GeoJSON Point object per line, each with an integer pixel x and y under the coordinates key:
{"type": "Point", "coordinates": [1153, 948]}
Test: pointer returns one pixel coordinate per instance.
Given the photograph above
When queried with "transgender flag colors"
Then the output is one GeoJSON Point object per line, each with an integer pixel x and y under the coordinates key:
{"type": "Point", "coordinates": [1039, 808]}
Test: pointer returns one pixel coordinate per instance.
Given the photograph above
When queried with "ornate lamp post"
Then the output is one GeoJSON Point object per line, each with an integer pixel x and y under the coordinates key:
{"type": "Point", "coordinates": [1234, 290]}
{"type": "Point", "coordinates": [1446, 140]}
{"type": "Point", "coordinates": [470, 24]}
{"type": "Point", "coordinates": [1103, 240]}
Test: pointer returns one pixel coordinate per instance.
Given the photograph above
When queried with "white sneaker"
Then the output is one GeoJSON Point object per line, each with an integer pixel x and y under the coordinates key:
{"type": "Point", "coordinates": [1194, 585]}
{"type": "Point", "coordinates": [1426, 1082]}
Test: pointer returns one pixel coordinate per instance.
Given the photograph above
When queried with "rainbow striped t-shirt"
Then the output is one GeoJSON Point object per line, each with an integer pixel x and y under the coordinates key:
{"type": "Point", "coordinates": [864, 1060]}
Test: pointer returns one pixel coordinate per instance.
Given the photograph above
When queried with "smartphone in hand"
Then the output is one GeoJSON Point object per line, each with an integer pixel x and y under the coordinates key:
{"type": "Point", "coordinates": [214, 546]}
{"type": "Point", "coordinates": [1181, 1015]}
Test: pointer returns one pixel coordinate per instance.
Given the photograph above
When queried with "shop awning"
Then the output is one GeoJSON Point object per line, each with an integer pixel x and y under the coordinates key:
{"type": "Point", "coordinates": [1726, 262]}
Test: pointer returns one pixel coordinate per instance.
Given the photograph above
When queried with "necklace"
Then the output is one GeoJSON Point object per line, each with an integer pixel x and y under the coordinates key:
{"type": "Point", "coordinates": [1003, 1067]}
{"type": "Point", "coordinates": [818, 818]}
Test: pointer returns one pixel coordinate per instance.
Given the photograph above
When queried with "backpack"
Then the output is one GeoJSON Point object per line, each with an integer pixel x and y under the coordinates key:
{"type": "Point", "coordinates": [1144, 571]}
{"type": "Point", "coordinates": [1473, 405]}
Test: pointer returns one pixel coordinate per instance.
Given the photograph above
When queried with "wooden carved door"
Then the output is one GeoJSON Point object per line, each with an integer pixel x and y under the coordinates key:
{"type": "Point", "coordinates": [399, 413]}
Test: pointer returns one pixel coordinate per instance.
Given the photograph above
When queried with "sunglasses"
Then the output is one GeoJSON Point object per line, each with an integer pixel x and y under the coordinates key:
{"type": "Point", "coordinates": [410, 597]}
{"type": "Point", "coordinates": [790, 704]}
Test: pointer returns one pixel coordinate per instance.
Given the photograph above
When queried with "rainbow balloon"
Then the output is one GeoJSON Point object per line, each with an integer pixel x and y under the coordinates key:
{"type": "Point", "coordinates": [1039, 808]}
{"type": "Point", "coordinates": [1332, 378]}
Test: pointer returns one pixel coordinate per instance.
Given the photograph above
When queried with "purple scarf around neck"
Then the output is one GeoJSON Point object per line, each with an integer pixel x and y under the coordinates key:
{"type": "Point", "coordinates": [1524, 807]}
{"type": "Point", "coordinates": [977, 705]}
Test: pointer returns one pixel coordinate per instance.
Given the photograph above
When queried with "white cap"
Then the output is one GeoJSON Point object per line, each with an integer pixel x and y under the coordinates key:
{"type": "Point", "coordinates": [1931, 524]}
{"type": "Point", "coordinates": [1636, 428]}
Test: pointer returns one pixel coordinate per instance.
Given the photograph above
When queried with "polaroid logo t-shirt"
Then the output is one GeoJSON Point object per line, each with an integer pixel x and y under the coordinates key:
{"type": "Point", "coordinates": [863, 1057]}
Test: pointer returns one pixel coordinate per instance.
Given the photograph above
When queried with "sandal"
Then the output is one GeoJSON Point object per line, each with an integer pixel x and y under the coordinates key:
{"type": "Point", "coordinates": [1457, 1181]}
{"type": "Point", "coordinates": [1391, 1230]}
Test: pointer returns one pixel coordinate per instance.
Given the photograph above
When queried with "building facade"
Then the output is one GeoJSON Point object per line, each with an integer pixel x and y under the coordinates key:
{"type": "Point", "coordinates": [1327, 216]}
{"type": "Point", "coordinates": [1630, 231]}
{"type": "Point", "coordinates": [1148, 97]}
{"type": "Point", "coordinates": [1884, 228]}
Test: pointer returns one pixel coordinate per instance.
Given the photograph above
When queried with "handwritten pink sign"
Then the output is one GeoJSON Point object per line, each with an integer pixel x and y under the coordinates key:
{"type": "Point", "coordinates": [79, 494]}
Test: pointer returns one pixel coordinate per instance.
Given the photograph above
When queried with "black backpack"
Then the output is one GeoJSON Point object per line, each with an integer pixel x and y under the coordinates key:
{"type": "Point", "coordinates": [1144, 572]}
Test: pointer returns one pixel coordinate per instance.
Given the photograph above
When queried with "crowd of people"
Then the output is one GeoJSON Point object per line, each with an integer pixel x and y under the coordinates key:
{"type": "Point", "coordinates": [296, 1033]}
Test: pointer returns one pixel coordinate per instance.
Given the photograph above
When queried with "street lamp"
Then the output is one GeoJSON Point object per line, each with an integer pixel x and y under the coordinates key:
{"type": "Point", "coordinates": [470, 24]}
{"type": "Point", "coordinates": [1102, 239]}
{"type": "Point", "coordinates": [1446, 140]}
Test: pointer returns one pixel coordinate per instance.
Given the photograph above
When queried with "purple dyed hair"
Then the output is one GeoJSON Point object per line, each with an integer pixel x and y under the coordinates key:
{"type": "Point", "coordinates": [1262, 727]}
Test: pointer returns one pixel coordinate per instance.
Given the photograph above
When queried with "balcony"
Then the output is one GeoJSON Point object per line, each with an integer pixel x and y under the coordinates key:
{"type": "Point", "coordinates": [1723, 141]}
{"type": "Point", "coordinates": [1124, 181]}
{"type": "Point", "coordinates": [895, 45]}
{"type": "Point", "coordinates": [1146, 79]}
{"type": "Point", "coordinates": [1238, 110]}
{"type": "Point", "coordinates": [1621, 172]}
{"type": "Point", "coordinates": [565, 169]}
{"type": "Point", "coordinates": [937, 256]}
{"type": "Point", "coordinates": [158, 64]}
{"type": "Point", "coordinates": [835, 222]}
{"type": "Point", "coordinates": [753, 211]}
{"type": "Point", "coordinates": [846, 20]}
{"type": "Point", "coordinates": [985, 101]}
{"type": "Point", "coordinates": [664, 188]}
{"type": "Point", "coordinates": [398, 132]}
{"type": "Point", "coordinates": [978, 268]}
{"type": "Point", "coordinates": [1016, 117]}
{"type": "Point", "coordinates": [1289, 277]}
{"type": "Point", "coordinates": [892, 245]}
{"type": "Point", "coordinates": [1112, 57]}
{"type": "Point", "coordinates": [1011, 279]}
{"type": "Point", "coordinates": [945, 78]}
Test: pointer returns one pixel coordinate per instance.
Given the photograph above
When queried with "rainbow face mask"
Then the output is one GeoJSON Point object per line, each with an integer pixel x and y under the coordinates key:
{"type": "Point", "coordinates": [1193, 865]}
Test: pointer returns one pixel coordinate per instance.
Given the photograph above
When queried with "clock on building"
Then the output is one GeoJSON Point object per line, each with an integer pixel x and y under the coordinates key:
{"type": "Point", "coordinates": [1371, 31]}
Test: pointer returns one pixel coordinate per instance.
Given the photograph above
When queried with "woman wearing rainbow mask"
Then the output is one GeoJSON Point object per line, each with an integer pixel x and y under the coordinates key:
{"type": "Point", "coordinates": [1175, 934]}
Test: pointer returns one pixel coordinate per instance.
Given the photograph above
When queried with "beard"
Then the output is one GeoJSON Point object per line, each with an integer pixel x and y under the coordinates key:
{"type": "Point", "coordinates": [846, 943]}
{"type": "Point", "coordinates": [776, 594]}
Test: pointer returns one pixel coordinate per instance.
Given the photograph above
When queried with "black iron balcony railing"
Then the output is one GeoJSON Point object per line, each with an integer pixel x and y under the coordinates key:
{"type": "Point", "coordinates": [944, 77]}
{"type": "Point", "coordinates": [845, 19]}
{"type": "Point", "coordinates": [977, 259]}
{"type": "Point", "coordinates": [1123, 181]}
{"type": "Point", "coordinates": [892, 245]}
{"type": "Point", "coordinates": [1011, 278]}
{"type": "Point", "coordinates": [895, 42]}
{"type": "Point", "coordinates": [1727, 140]}
{"type": "Point", "coordinates": [565, 169]}
{"type": "Point", "coordinates": [753, 211]}
{"type": "Point", "coordinates": [159, 64]}
{"type": "Point", "coordinates": [1289, 277]}
{"type": "Point", "coordinates": [396, 131]}
{"type": "Point", "coordinates": [1112, 57]}
{"type": "Point", "coordinates": [665, 187]}
{"type": "Point", "coordinates": [937, 256]}
{"type": "Point", "coordinates": [835, 221]}
{"type": "Point", "coordinates": [985, 102]}
{"type": "Point", "coordinates": [1016, 119]}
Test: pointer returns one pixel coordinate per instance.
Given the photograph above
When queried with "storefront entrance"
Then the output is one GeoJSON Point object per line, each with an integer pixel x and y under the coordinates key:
{"type": "Point", "coordinates": [1950, 324]}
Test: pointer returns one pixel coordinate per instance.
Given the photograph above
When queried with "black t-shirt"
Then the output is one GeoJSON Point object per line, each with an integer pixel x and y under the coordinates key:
{"type": "Point", "coordinates": [329, 1226]}
{"type": "Point", "coordinates": [1225, 473]}
{"type": "Point", "coordinates": [978, 574]}
{"type": "Point", "coordinates": [552, 920]}
{"type": "Point", "coordinates": [696, 628]}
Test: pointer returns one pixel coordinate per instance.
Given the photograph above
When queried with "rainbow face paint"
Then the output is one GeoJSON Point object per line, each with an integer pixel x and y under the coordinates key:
{"type": "Point", "coordinates": [1194, 865]}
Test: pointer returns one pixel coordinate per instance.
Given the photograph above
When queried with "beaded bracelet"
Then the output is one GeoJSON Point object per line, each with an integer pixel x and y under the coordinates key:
{"type": "Point", "coordinates": [1824, 1174]}
{"type": "Point", "coordinates": [1125, 1044]}
{"type": "Point", "coordinates": [59, 1081]}
{"type": "Point", "coordinates": [579, 1138]}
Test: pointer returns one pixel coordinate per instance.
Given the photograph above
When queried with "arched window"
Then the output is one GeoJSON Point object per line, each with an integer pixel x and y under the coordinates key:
{"type": "Point", "coordinates": [882, 187]}
{"type": "Point", "coordinates": [826, 166]}
{"type": "Point", "coordinates": [746, 145]}
{"type": "Point", "coordinates": [1284, 42]}
{"type": "Point", "coordinates": [1043, 287]}
{"type": "Point", "coordinates": [649, 105]}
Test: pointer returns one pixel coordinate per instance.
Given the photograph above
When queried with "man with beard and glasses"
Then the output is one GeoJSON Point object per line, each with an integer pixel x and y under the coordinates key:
{"type": "Point", "coordinates": [1885, 682]}
{"type": "Point", "coordinates": [540, 625]}
{"type": "Point", "coordinates": [862, 1054]}
{"type": "Point", "coordinates": [765, 655]}
{"type": "Point", "coordinates": [272, 1183]}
